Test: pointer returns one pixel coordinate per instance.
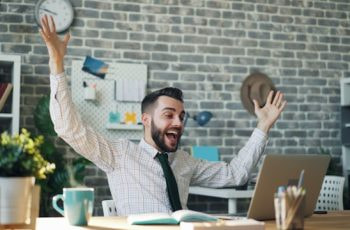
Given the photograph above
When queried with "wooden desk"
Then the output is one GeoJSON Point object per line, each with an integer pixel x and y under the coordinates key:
{"type": "Point", "coordinates": [229, 193]}
{"type": "Point", "coordinates": [333, 220]}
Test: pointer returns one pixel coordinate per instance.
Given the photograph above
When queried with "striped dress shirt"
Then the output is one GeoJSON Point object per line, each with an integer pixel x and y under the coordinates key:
{"type": "Point", "coordinates": [135, 176]}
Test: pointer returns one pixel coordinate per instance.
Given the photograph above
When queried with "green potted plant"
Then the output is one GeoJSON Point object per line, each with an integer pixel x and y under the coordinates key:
{"type": "Point", "coordinates": [65, 172]}
{"type": "Point", "coordinates": [21, 162]}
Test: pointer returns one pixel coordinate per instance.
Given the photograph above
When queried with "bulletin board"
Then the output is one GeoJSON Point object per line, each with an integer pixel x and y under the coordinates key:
{"type": "Point", "coordinates": [96, 112]}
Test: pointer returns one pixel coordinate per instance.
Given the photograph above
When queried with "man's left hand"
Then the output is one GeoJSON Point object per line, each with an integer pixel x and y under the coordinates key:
{"type": "Point", "coordinates": [268, 114]}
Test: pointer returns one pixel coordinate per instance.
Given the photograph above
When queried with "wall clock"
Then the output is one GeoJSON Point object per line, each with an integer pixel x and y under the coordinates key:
{"type": "Point", "coordinates": [61, 11]}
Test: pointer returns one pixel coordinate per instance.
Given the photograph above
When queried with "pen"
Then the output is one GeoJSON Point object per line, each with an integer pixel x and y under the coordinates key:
{"type": "Point", "coordinates": [301, 179]}
{"type": "Point", "coordinates": [115, 90]}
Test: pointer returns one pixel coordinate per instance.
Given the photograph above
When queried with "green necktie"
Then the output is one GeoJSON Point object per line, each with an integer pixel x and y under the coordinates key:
{"type": "Point", "coordinates": [171, 185]}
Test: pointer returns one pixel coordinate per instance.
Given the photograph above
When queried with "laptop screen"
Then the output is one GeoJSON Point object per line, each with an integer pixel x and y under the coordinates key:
{"type": "Point", "coordinates": [282, 170]}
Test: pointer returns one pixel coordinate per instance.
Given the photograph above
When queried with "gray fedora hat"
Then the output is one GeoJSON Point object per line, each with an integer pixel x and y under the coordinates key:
{"type": "Point", "coordinates": [256, 86]}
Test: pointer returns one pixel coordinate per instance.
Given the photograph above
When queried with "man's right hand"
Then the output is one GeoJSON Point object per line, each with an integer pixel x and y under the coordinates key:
{"type": "Point", "coordinates": [55, 46]}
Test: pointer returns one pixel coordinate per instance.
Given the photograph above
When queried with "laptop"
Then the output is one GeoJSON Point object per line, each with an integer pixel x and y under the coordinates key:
{"type": "Point", "coordinates": [280, 170]}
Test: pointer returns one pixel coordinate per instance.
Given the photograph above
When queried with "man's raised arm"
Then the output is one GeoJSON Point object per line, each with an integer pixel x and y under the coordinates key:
{"type": "Point", "coordinates": [66, 119]}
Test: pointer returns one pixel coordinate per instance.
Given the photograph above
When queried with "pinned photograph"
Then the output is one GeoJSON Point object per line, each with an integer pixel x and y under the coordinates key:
{"type": "Point", "coordinates": [95, 67]}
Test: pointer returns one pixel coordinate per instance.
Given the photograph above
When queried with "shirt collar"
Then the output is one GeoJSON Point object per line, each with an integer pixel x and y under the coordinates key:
{"type": "Point", "coordinates": [148, 148]}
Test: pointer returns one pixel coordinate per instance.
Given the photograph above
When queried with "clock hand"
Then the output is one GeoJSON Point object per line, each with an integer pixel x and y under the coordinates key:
{"type": "Point", "coordinates": [49, 11]}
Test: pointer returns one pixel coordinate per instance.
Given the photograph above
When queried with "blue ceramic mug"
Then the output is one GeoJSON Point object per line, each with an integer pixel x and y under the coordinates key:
{"type": "Point", "coordinates": [78, 204]}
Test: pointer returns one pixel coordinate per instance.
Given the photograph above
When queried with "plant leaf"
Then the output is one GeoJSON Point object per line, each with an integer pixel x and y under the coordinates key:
{"type": "Point", "coordinates": [42, 117]}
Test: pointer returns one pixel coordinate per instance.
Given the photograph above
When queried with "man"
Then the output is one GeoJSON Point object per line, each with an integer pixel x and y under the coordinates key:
{"type": "Point", "coordinates": [136, 172]}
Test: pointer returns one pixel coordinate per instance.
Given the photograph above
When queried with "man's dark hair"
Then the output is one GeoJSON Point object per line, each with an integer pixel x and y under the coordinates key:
{"type": "Point", "coordinates": [151, 98]}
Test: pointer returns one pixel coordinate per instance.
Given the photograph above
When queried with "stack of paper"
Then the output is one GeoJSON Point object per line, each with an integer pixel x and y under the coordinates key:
{"type": "Point", "coordinates": [130, 90]}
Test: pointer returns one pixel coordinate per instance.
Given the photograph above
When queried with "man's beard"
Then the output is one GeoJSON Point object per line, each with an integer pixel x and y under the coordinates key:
{"type": "Point", "coordinates": [158, 138]}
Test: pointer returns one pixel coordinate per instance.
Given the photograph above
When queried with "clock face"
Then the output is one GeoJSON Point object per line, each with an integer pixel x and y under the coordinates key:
{"type": "Point", "coordinates": [61, 11]}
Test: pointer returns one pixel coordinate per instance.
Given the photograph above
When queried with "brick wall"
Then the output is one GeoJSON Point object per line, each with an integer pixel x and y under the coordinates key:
{"type": "Point", "coordinates": [206, 48]}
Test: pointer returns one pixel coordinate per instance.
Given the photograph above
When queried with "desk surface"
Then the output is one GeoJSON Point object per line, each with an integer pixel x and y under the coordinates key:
{"type": "Point", "coordinates": [332, 220]}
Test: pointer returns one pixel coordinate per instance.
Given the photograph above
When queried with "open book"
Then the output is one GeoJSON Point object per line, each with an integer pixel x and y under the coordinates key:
{"type": "Point", "coordinates": [174, 218]}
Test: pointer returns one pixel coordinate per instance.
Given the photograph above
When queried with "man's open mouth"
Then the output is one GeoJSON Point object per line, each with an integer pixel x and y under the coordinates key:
{"type": "Point", "coordinates": [172, 135]}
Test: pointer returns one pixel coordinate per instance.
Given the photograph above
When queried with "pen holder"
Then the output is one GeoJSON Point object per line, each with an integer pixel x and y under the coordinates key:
{"type": "Point", "coordinates": [289, 211]}
{"type": "Point", "coordinates": [89, 93]}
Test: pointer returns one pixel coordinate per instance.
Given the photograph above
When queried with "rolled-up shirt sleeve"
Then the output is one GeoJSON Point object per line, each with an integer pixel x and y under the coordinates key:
{"type": "Point", "coordinates": [237, 172]}
{"type": "Point", "coordinates": [80, 136]}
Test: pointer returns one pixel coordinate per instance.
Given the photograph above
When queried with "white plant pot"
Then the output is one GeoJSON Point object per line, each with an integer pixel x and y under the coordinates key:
{"type": "Point", "coordinates": [15, 199]}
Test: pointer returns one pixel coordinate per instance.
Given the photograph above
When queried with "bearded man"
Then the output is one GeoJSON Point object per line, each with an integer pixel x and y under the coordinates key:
{"type": "Point", "coordinates": [154, 175]}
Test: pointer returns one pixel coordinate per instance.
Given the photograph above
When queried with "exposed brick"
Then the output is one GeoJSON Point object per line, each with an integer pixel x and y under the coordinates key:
{"type": "Point", "coordinates": [15, 48]}
{"type": "Point", "coordinates": [290, 11]}
{"type": "Point", "coordinates": [183, 67]}
{"type": "Point", "coordinates": [192, 58]}
{"type": "Point", "coordinates": [106, 54]}
{"type": "Point", "coordinates": [21, 28]}
{"type": "Point", "coordinates": [98, 5]}
{"type": "Point", "coordinates": [156, 65]}
{"type": "Point", "coordinates": [3, 28]}
{"type": "Point", "coordinates": [270, 26]}
{"type": "Point", "coordinates": [284, 54]}
{"type": "Point", "coordinates": [98, 43]}
{"type": "Point", "coordinates": [126, 7]}
{"type": "Point", "coordinates": [165, 76]}
{"type": "Point", "coordinates": [136, 55]}
{"type": "Point", "coordinates": [15, 38]}
{"type": "Point", "coordinates": [267, 8]}
{"type": "Point", "coordinates": [164, 57]}
{"type": "Point", "coordinates": [209, 31]}
{"type": "Point", "coordinates": [195, 21]}
{"type": "Point", "coordinates": [259, 35]}
{"type": "Point", "coordinates": [233, 15]}
{"type": "Point", "coordinates": [313, 13]}
{"type": "Point", "coordinates": [129, 26]}
{"type": "Point", "coordinates": [84, 13]}
{"type": "Point", "coordinates": [184, 29]}
{"type": "Point", "coordinates": [196, 39]}
{"type": "Point", "coordinates": [308, 73]}
{"type": "Point", "coordinates": [281, 19]}
{"type": "Point", "coordinates": [100, 24]}
{"type": "Point", "coordinates": [340, 49]}
{"type": "Point", "coordinates": [182, 48]}
{"type": "Point", "coordinates": [114, 15]}
{"type": "Point", "coordinates": [181, 10]}
{"type": "Point", "coordinates": [153, 9]}
{"type": "Point", "coordinates": [242, 6]}
{"type": "Point", "coordinates": [142, 18]}
{"type": "Point", "coordinates": [330, 56]}
{"type": "Point", "coordinates": [259, 52]}
{"type": "Point", "coordinates": [169, 38]}
{"type": "Point", "coordinates": [324, 5]}
{"type": "Point", "coordinates": [141, 37]}
{"type": "Point", "coordinates": [210, 13]}
{"type": "Point", "coordinates": [11, 18]}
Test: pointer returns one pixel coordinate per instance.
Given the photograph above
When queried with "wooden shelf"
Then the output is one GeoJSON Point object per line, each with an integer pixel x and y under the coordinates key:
{"type": "Point", "coordinates": [124, 127]}
{"type": "Point", "coordinates": [6, 115]}
{"type": "Point", "coordinates": [13, 64]}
